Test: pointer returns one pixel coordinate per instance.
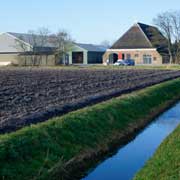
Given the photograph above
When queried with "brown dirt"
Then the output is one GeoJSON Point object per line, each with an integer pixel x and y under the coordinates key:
{"type": "Point", "coordinates": [34, 95]}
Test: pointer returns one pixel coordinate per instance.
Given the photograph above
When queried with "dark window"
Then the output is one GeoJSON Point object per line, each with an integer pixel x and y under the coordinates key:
{"type": "Point", "coordinates": [95, 57]}
{"type": "Point", "coordinates": [77, 57]}
{"type": "Point", "coordinates": [123, 56]}
{"type": "Point", "coordinates": [113, 58]}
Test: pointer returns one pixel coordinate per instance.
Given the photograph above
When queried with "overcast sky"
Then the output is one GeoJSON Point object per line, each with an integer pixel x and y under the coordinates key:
{"type": "Point", "coordinates": [88, 21]}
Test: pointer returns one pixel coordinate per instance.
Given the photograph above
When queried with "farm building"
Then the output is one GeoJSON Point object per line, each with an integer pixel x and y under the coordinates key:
{"type": "Point", "coordinates": [143, 43]}
{"type": "Point", "coordinates": [86, 54]}
{"type": "Point", "coordinates": [20, 49]}
{"type": "Point", "coordinates": [16, 48]}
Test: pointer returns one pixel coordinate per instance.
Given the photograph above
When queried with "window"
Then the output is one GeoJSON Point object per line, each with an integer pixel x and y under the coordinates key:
{"type": "Point", "coordinates": [77, 57]}
{"type": "Point", "coordinates": [154, 58]}
{"type": "Point", "coordinates": [128, 56]}
{"type": "Point", "coordinates": [136, 55]}
{"type": "Point", "coordinates": [147, 59]}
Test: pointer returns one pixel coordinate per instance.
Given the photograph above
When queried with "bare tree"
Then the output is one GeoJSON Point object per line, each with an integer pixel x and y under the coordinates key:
{"type": "Point", "coordinates": [169, 24]}
{"type": "Point", "coordinates": [163, 21]}
{"type": "Point", "coordinates": [38, 42]}
{"type": "Point", "coordinates": [63, 44]}
{"type": "Point", "coordinates": [41, 42]}
{"type": "Point", "coordinates": [22, 47]}
{"type": "Point", "coordinates": [43, 34]}
{"type": "Point", "coordinates": [106, 43]}
{"type": "Point", "coordinates": [175, 20]}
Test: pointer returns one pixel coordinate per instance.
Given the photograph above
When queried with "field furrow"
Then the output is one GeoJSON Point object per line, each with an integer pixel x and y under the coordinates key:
{"type": "Point", "coordinates": [33, 95]}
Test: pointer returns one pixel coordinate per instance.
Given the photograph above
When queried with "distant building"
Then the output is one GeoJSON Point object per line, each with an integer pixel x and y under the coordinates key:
{"type": "Point", "coordinates": [11, 53]}
{"type": "Point", "coordinates": [86, 54]}
{"type": "Point", "coordinates": [143, 43]}
{"type": "Point", "coordinates": [19, 49]}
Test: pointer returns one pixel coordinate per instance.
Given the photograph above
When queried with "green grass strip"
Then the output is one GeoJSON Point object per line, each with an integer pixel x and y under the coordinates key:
{"type": "Point", "coordinates": [32, 151]}
{"type": "Point", "coordinates": [165, 164]}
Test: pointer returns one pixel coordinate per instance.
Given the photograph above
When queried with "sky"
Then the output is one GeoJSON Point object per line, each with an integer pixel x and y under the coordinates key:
{"type": "Point", "coordinates": [88, 21]}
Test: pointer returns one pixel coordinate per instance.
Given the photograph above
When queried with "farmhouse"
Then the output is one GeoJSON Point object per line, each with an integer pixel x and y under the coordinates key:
{"type": "Point", "coordinates": [143, 43]}
{"type": "Point", "coordinates": [20, 49]}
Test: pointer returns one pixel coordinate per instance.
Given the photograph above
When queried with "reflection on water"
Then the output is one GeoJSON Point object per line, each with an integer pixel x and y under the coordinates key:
{"type": "Point", "coordinates": [132, 157]}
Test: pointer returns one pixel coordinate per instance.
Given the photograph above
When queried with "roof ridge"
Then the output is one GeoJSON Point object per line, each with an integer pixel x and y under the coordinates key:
{"type": "Point", "coordinates": [121, 36]}
{"type": "Point", "coordinates": [13, 36]}
{"type": "Point", "coordinates": [89, 44]}
{"type": "Point", "coordinates": [124, 37]}
{"type": "Point", "coordinates": [18, 33]}
{"type": "Point", "coordinates": [91, 47]}
{"type": "Point", "coordinates": [147, 38]}
{"type": "Point", "coordinates": [146, 24]}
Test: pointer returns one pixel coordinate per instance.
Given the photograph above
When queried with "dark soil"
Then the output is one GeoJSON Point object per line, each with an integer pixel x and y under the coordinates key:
{"type": "Point", "coordinates": [34, 95]}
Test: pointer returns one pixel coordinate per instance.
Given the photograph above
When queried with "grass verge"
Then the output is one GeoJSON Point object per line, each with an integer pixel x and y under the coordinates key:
{"type": "Point", "coordinates": [99, 66]}
{"type": "Point", "coordinates": [47, 149]}
{"type": "Point", "coordinates": [165, 164]}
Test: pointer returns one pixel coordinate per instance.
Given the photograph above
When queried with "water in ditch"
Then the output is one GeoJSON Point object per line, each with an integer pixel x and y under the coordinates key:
{"type": "Point", "coordinates": [132, 157]}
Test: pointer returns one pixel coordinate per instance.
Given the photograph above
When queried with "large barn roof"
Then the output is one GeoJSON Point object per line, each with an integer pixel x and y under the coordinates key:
{"type": "Point", "coordinates": [92, 47]}
{"type": "Point", "coordinates": [141, 36]}
{"type": "Point", "coordinates": [30, 39]}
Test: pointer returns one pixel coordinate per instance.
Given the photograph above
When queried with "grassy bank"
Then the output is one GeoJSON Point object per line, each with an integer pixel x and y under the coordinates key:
{"type": "Point", "coordinates": [161, 67]}
{"type": "Point", "coordinates": [40, 150]}
{"type": "Point", "coordinates": [165, 164]}
{"type": "Point", "coordinates": [99, 66]}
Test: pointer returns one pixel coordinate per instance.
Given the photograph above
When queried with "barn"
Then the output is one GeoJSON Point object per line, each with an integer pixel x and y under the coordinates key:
{"type": "Point", "coordinates": [16, 48]}
{"type": "Point", "coordinates": [86, 54]}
